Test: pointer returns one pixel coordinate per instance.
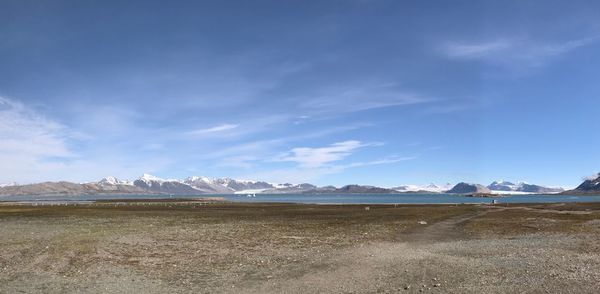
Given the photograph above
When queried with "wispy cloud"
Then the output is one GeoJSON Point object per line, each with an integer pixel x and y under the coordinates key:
{"type": "Point", "coordinates": [560, 48]}
{"type": "Point", "coordinates": [24, 132]}
{"type": "Point", "coordinates": [308, 174]}
{"type": "Point", "coordinates": [34, 147]}
{"type": "Point", "coordinates": [244, 126]}
{"type": "Point", "coordinates": [513, 52]}
{"type": "Point", "coordinates": [453, 106]}
{"type": "Point", "coordinates": [215, 129]}
{"type": "Point", "coordinates": [265, 148]}
{"type": "Point", "coordinates": [360, 98]}
{"type": "Point", "coordinates": [388, 160]}
{"type": "Point", "coordinates": [475, 50]}
{"type": "Point", "coordinates": [29, 142]}
{"type": "Point", "coordinates": [308, 157]}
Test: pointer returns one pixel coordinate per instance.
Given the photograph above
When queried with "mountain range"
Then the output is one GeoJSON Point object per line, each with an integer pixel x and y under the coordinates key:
{"type": "Point", "coordinates": [196, 185]}
{"type": "Point", "coordinates": [148, 184]}
{"type": "Point", "coordinates": [521, 187]}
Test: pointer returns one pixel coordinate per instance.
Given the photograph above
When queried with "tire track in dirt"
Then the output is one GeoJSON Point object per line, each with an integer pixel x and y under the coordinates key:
{"type": "Point", "coordinates": [449, 229]}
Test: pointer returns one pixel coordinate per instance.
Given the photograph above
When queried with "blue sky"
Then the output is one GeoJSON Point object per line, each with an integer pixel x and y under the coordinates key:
{"type": "Point", "coordinates": [329, 92]}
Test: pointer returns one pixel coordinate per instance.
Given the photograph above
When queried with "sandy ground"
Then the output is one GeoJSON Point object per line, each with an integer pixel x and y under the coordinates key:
{"type": "Point", "coordinates": [286, 248]}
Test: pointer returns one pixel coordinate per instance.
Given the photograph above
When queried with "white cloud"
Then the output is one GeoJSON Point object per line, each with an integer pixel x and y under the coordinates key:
{"type": "Point", "coordinates": [560, 48]}
{"type": "Point", "coordinates": [356, 98]}
{"type": "Point", "coordinates": [389, 160]}
{"type": "Point", "coordinates": [475, 50]}
{"type": "Point", "coordinates": [515, 52]}
{"type": "Point", "coordinates": [24, 132]}
{"type": "Point", "coordinates": [246, 127]}
{"type": "Point", "coordinates": [302, 174]}
{"type": "Point", "coordinates": [215, 129]}
{"type": "Point", "coordinates": [35, 148]}
{"type": "Point", "coordinates": [316, 157]}
{"type": "Point", "coordinates": [262, 149]}
{"type": "Point", "coordinates": [27, 141]}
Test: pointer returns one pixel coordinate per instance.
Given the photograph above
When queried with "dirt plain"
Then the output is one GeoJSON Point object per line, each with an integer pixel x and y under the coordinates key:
{"type": "Point", "coordinates": [188, 247]}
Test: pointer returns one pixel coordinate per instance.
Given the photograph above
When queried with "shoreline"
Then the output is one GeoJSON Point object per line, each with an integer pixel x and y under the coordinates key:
{"type": "Point", "coordinates": [346, 199]}
{"type": "Point", "coordinates": [134, 202]}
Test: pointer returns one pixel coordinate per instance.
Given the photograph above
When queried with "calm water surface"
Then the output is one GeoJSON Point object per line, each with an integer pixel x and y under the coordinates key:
{"type": "Point", "coordinates": [333, 198]}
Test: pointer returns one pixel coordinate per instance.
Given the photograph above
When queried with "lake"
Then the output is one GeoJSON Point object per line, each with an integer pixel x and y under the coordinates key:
{"type": "Point", "coordinates": [334, 198]}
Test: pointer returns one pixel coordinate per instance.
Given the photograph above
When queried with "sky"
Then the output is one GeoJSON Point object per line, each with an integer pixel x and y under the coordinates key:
{"type": "Point", "coordinates": [378, 92]}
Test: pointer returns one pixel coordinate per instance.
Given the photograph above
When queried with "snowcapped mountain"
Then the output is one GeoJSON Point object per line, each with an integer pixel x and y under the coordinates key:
{"type": "Point", "coordinates": [67, 188]}
{"type": "Point", "coordinates": [196, 185]}
{"type": "Point", "coordinates": [502, 186]}
{"type": "Point", "coordinates": [110, 180]}
{"type": "Point", "coordinates": [591, 183]}
{"type": "Point", "coordinates": [226, 185]}
{"type": "Point", "coordinates": [206, 185]}
{"type": "Point", "coordinates": [521, 187]}
{"type": "Point", "coordinates": [238, 185]}
{"type": "Point", "coordinates": [590, 186]}
{"type": "Point", "coordinates": [158, 185]}
{"type": "Point", "coordinates": [150, 178]}
{"type": "Point", "coordinates": [466, 188]}
{"type": "Point", "coordinates": [291, 188]}
{"type": "Point", "coordinates": [431, 188]}
{"type": "Point", "coordinates": [2, 185]}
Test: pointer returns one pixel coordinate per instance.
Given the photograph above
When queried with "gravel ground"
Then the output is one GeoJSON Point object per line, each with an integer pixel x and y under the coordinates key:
{"type": "Point", "coordinates": [286, 248]}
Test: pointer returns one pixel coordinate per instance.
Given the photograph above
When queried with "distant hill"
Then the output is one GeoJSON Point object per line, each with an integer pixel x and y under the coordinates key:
{"type": "Point", "coordinates": [67, 188]}
{"type": "Point", "coordinates": [502, 186]}
{"type": "Point", "coordinates": [590, 186]}
{"type": "Point", "coordinates": [431, 188]}
{"type": "Point", "coordinates": [290, 188]}
{"type": "Point", "coordinates": [538, 189]}
{"type": "Point", "coordinates": [160, 186]}
{"type": "Point", "coordinates": [465, 188]}
{"type": "Point", "coordinates": [521, 187]}
{"type": "Point", "coordinates": [225, 185]}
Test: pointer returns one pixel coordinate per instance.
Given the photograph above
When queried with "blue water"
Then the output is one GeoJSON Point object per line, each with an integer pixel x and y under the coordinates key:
{"type": "Point", "coordinates": [333, 198]}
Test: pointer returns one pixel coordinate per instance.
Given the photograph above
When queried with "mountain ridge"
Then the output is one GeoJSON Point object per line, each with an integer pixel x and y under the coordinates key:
{"type": "Point", "coordinates": [198, 185]}
{"type": "Point", "coordinates": [523, 187]}
{"type": "Point", "coordinates": [590, 186]}
{"type": "Point", "coordinates": [467, 188]}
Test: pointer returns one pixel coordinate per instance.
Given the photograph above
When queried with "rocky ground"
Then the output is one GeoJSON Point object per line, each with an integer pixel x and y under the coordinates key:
{"type": "Point", "coordinates": [284, 248]}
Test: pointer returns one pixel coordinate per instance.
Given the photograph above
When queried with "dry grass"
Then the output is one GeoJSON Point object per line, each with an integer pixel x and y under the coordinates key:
{"type": "Point", "coordinates": [223, 247]}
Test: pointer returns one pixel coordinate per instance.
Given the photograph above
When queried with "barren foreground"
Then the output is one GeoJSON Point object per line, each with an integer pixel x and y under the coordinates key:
{"type": "Point", "coordinates": [285, 248]}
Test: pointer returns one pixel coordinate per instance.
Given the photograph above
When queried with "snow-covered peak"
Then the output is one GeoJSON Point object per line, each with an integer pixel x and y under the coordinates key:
{"type": "Point", "coordinates": [151, 178]}
{"type": "Point", "coordinates": [592, 177]}
{"type": "Point", "coordinates": [427, 188]}
{"type": "Point", "coordinates": [2, 185]}
{"type": "Point", "coordinates": [110, 180]}
{"type": "Point", "coordinates": [200, 179]}
{"type": "Point", "coordinates": [501, 182]}
{"type": "Point", "coordinates": [192, 178]}
{"type": "Point", "coordinates": [248, 181]}
{"type": "Point", "coordinates": [217, 181]}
